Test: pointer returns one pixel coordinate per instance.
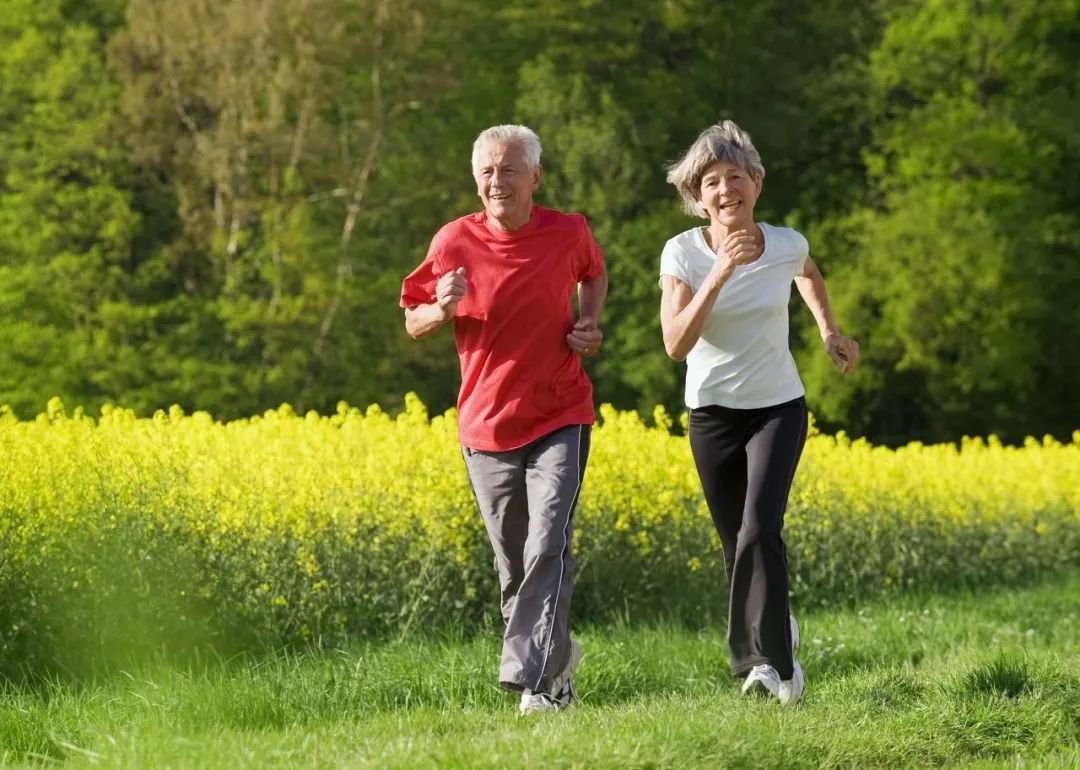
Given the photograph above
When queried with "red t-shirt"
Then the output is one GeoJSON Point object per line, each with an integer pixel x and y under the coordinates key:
{"type": "Point", "coordinates": [519, 378]}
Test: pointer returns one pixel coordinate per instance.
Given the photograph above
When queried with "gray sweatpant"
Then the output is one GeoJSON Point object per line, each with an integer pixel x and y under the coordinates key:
{"type": "Point", "coordinates": [527, 498]}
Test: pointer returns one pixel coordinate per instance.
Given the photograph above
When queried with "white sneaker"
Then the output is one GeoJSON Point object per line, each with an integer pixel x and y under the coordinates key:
{"type": "Point", "coordinates": [762, 680]}
{"type": "Point", "coordinates": [536, 702]}
{"type": "Point", "coordinates": [794, 633]}
{"type": "Point", "coordinates": [792, 689]}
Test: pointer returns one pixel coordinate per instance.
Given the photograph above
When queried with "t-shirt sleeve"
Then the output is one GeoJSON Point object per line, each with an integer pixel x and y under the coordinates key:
{"type": "Point", "coordinates": [673, 262]}
{"type": "Point", "coordinates": [588, 259]}
{"type": "Point", "coordinates": [802, 251]}
{"type": "Point", "coordinates": [418, 288]}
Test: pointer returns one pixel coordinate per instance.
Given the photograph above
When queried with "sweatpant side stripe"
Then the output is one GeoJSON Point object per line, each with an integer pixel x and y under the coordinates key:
{"type": "Point", "coordinates": [562, 561]}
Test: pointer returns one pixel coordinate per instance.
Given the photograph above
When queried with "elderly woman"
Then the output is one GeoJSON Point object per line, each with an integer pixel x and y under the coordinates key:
{"type": "Point", "coordinates": [503, 278]}
{"type": "Point", "coordinates": [724, 310]}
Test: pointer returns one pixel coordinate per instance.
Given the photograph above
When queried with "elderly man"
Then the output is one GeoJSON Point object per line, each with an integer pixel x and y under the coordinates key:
{"type": "Point", "coordinates": [505, 277]}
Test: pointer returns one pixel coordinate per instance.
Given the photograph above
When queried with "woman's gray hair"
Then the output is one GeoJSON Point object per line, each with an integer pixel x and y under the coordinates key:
{"type": "Point", "coordinates": [724, 142]}
{"type": "Point", "coordinates": [508, 134]}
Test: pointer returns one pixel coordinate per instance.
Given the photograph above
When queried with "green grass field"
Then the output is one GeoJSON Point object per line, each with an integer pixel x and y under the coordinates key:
{"type": "Point", "coordinates": [984, 680]}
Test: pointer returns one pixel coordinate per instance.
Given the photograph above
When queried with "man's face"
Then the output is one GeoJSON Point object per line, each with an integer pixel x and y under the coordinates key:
{"type": "Point", "coordinates": [505, 184]}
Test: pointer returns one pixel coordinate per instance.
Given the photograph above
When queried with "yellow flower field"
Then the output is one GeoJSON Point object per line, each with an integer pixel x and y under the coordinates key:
{"type": "Point", "coordinates": [119, 533]}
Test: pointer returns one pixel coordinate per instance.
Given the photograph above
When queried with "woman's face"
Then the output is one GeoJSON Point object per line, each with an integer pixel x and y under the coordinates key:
{"type": "Point", "coordinates": [728, 194]}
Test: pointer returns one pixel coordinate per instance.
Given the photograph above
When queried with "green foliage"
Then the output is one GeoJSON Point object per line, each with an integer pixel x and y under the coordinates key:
{"type": "Point", "coordinates": [214, 204]}
{"type": "Point", "coordinates": [964, 254]}
{"type": "Point", "coordinates": [66, 223]}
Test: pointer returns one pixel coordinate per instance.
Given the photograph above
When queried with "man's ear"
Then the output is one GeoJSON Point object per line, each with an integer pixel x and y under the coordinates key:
{"type": "Point", "coordinates": [537, 172]}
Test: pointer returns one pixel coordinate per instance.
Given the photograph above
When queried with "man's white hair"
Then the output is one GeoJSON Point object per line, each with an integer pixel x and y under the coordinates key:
{"type": "Point", "coordinates": [508, 134]}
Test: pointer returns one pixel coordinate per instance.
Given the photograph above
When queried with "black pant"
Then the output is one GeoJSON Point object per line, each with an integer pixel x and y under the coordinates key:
{"type": "Point", "coordinates": [746, 460]}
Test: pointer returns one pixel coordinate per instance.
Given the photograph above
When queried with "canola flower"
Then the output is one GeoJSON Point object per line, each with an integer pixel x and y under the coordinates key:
{"type": "Point", "coordinates": [120, 532]}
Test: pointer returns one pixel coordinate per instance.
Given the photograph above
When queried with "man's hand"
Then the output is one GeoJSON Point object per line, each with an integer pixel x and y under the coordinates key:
{"type": "Point", "coordinates": [449, 290]}
{"type": "Point", "coordinates": [427, 318]}
{"type": "Point", "coordinates": [585, 339]}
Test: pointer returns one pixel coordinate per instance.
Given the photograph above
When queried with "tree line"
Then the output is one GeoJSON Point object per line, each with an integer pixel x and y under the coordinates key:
{"type": "Point", "coordinates": [213, 203]}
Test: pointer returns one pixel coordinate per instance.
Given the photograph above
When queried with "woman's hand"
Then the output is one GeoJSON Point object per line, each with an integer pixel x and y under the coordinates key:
{"type": "Point", "coordinates": [740, 247]}
{"type": "Point", "coordinates": [843, 351]}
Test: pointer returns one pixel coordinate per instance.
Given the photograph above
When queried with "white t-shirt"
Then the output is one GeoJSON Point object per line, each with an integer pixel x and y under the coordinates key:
{"type": "Point", "coordinates": [742, 360]}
